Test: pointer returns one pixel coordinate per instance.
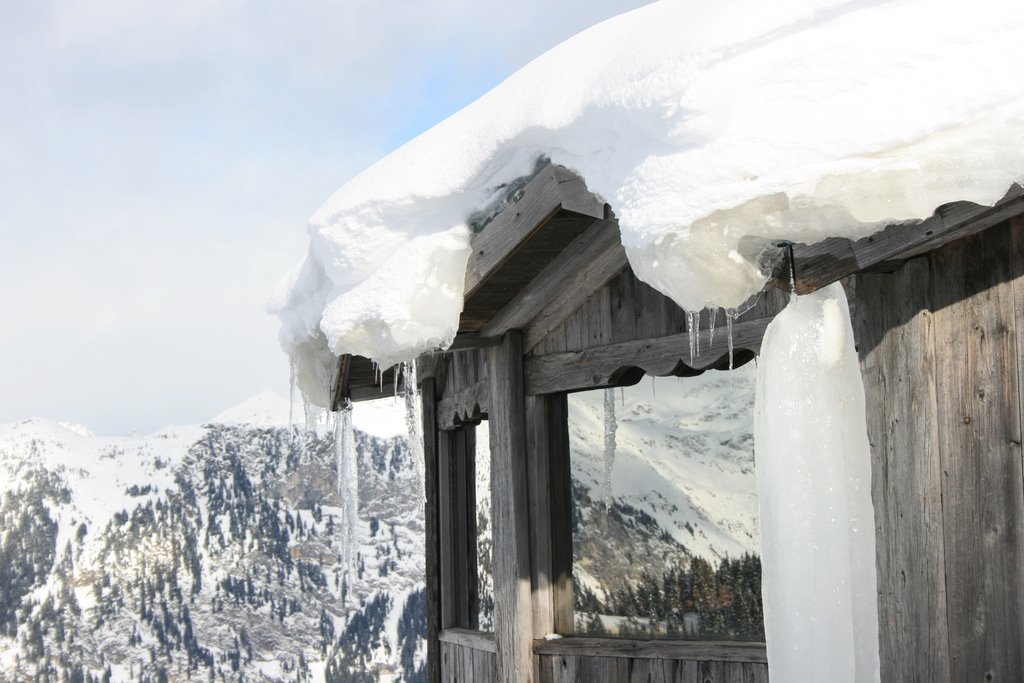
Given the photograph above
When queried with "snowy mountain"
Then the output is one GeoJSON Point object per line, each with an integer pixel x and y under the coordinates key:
{"type": "Point", "coordinates": [208, 551]}
{"type": "Point", "coordinates": [681, 520]}
{"type": "Point", "coordinates": [214, 550]}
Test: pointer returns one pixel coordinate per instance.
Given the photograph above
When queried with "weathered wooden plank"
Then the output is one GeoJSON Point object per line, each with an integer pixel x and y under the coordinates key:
{"type": "Point", "coordinates": [466, 406]}
{"type": "Point", "coordinates": [605, 669]}
{"type": "Point", "coordinates": [895, 336]}
{"type": "Point", "coordinates": [464, 637]}
{"type": "Point", "coordinates": [649, 310]}
{"type": "Point", "coordinates": [756, 673]}
{"type": "Point", "coordinates": [432, 549]}
{"type": "Point", "coordinates": [717, 651]}
{"type": "Point", "coordinates": [979, 439]}
{"type": "Point", "coordinates": [550, 513]}
{"type": "Point", "coordinates": [557, 278]}
{"type": "Point", "coordinates": [560, 487]}
{"type": "Point", "coordinates": [602, 366]}
{"type": "Point", "coordinates": [566, 669]}
{"type": "Point", "coordinates": [483, 666]}
{"type": "Point", "coordinates": [622, 292]}
{"type": "Point", "coordinates": [572, 294]}
{"type": "Point", "coordinates": [511, 562]}
{"type": "Point", "coordinates": [551, 211]}
{"type": "Point", "coordinates": [448, 582]}
{"type": "Point", "coordinates": [652, 671]}
{"type": "Point", "coordinates": [830, 260]}
{"type": "Point", "coordinates": [447, 675]}
{"type": "Point", "coordinates": [465, 521]}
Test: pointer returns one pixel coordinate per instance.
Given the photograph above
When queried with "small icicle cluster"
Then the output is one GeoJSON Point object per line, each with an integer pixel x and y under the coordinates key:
{"type": "Point", "coordinates": [610, 427]}
{"type": "Point", "coordinates": [346, 460]}
{"type": "Point", "coordinates": [413, 426]}
{"type": "Point", "coordinates": [693, 329]}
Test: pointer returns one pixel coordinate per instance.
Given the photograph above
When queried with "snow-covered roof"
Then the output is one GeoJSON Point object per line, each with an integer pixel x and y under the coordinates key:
{"type": "Point", "coordinates": [701, 124]}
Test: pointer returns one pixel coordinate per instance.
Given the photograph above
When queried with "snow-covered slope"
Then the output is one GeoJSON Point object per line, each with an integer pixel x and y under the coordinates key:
{"type": "Point", "coordinates": [207, 550]}
{"type": "Point", "coordinates": [684, 455]}
{"type": "Point", "coordinates": [218, 547]}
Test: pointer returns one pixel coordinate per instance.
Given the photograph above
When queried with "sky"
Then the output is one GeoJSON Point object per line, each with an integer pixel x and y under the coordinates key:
{"type": "Point", "coordinates": [159, 161]}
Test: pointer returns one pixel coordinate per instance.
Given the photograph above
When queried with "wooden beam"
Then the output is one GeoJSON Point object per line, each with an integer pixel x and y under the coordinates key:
{"type": "Point", "coordinates": [476, 640]}
{"type": "Point", "coordinates": [586, 264]}
{"type": "Point", "coordinates": [513, 628]}
{"type": "Point", "coordinates": [465, 407]}
{"type": "Point", "coordinates": [825, 262]}
{"type": "Point", "coordinates": [464, 513]}
{"type": "Point", "coordinates": [432, 550]}
{"type": "Point", "coordinates": [448, 540]}
{"type": "Point", "coordinates": [724, 651]}
{"type": "Point", "coordinates": [552, 189]}
{"type": "Point", "coordinates": [605, 366]}
{"type": "Point", "coordinates": [550, 497]}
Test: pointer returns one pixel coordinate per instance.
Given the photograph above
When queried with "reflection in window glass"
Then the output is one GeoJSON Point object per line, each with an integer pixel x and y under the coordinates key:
{"type": "Point", "coordinates": [665, 537]}
{"type": "Point", "coordinates": [484, 543]}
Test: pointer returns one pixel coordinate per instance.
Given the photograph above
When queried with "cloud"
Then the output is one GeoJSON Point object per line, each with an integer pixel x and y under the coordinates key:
{"type": "Point", "coordinates": [159, 161]}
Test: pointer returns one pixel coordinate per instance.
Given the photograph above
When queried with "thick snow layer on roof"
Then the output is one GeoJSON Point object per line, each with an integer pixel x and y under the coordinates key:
{"type": "Point", "coordinates": [700, 123]}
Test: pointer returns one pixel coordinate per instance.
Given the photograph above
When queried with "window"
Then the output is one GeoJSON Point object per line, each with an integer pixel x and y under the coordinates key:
{"type": "Point", "coordinates": [484, 525]}
{"type": "Point", "coordinates": [664, 517]}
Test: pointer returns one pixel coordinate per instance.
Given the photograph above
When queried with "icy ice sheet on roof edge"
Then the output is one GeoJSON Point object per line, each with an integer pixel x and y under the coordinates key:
{"type": "Point", "coordinates": [700, 124]}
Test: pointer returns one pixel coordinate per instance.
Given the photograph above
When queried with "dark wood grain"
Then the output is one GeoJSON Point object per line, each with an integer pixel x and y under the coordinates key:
{"type": "Point", "coordinates": [895, 333]}
{"type": "Point", "coordinates": [979, 442]}
{"type": "Point", "coordinates": [654, 649]}
{"type": "Point", "coordinates": [604, 366]}
{"type": "Point", "coordinates": [823, 263]}
{"type": "Point", "coordinates": [432, 549]}
{"type": "Point", "coordinates": [513, 625]}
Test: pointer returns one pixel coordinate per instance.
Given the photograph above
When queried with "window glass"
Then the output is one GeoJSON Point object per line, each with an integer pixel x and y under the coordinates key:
{"type": "Point", "coordinates": [484, 543]}
{"type": "Point", "coordinates": [665, 537]}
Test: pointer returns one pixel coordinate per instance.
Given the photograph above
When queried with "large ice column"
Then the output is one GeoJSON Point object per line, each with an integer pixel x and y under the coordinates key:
{"type": "Point", "coordinates": [814, 491]}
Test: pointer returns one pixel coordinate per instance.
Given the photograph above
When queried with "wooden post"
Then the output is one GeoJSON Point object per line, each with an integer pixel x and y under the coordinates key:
{"type": "Point", "coordinates": [513, 627]}
{"type": "Point", "coordinates": [456, 520]}
{"type": "Point", "coordinates": [550, 514]}
{"type": "Point", "coordinates": [432, 541]}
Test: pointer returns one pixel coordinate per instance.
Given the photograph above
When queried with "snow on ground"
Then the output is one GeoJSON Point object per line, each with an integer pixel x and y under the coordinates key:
{"type": "Point", "coordinates": [701, 124]}
{"type": "Point", "coordinates": [102, 472]}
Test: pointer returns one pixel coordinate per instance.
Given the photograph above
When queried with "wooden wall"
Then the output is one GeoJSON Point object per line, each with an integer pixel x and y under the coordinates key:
{"type": "Point", "coordinates": [627, 309]}
{"type": "Point", "coordinates": [596, 669]}
{"type": "Point", "coordinates": [468, 657]}
{"type": "Point", "coordinates": [461, 663]}
{"type": "Point", "coordinates": [940, 341]}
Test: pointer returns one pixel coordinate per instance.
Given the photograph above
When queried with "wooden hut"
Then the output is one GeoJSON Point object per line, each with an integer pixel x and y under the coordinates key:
{"type": "Point", "coordinates": [553, 308]}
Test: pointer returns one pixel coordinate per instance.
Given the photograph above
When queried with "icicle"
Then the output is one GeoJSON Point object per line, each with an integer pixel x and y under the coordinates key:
{"type": "Point", "coordinates": [399, 369]}
{"type": "Point", "coordinates": [337, 453]}
{"type": "Point", "coordinates": [622, 396]}
{"type": "Point", "coordinates": [691, 328]}
{"type": "Point", "coordinates": [307, 413]}
{"type": "Point", "coordinates": [293, 383]}
{"type": "Point", "coordinates": [413, 427]}
{"type": "Point", "coordinates": [348, 487]}
{"type": "Point", "coordinates": [729, 314]}
{"type": "Point", "coordinates": [711, 325]}
{"type": "Point", "coordinates": [696, 330]}
{"type": "Point", "coordinates": [610, 427]}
